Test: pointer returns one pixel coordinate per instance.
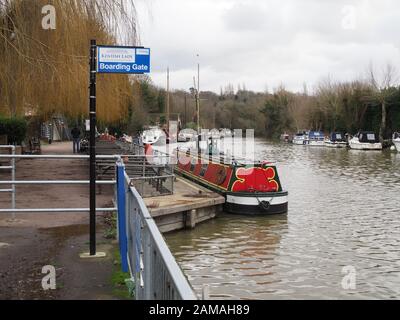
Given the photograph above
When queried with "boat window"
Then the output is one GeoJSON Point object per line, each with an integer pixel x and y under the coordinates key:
{"type": "Point", "coordinates": [193, 165]}
{"type": "Point", "coordinates": [371, 137]}
{"type": "Point", "coordinates": [338, 136]}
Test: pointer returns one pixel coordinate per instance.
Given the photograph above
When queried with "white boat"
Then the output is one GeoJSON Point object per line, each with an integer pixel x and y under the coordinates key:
{"type": "Point", "coordinates": [336, 140]}
{"type": "Point", "coordinates": [214, 134]}
{"type": "Point", "coordinates": [365, 141]}
{"type": "Point", "coordinates": [226, 133]}
{"type": "Point", "coordinates": [154, 136]}
{"type": "Point", "coordinates": [396, 141]}
{"type": "Point", "coordinates": [187, 135]}
{"type": "Point", "coordinates": [300, 139]}
{"type": "Point", "coordinates": [316, 139]}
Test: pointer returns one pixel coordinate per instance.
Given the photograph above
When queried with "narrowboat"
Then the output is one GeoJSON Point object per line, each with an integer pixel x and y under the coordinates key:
{"type": "Point", "coordinates": [249, 189]}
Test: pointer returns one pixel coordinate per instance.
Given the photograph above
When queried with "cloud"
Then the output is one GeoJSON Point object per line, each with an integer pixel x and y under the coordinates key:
{"type": "Point", "coordinates": [268, 42]}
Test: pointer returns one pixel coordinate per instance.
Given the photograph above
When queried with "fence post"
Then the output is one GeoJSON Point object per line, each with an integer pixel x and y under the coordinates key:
{"type": "Point", "coordinates": [13, 178]}
{"type": "Point", "coordinates": [121, 199]}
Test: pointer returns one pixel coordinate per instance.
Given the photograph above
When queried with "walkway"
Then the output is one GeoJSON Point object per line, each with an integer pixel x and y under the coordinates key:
{"type": "Point", "coordinates": [36, 240]}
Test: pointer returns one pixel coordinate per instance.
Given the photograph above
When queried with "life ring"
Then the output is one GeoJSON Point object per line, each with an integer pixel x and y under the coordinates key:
{"type": "Point", "coordinates": [221, 175]}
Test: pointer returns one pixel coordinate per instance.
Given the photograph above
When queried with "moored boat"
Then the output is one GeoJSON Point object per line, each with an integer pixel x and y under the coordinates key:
{"type": "Point", "coordinates": [249, 189]}
{"type": "Point", "coordinates": [336, 140]}
{"type": "Point", "coordinates": [365, 140]}
{"type": "Point", "coordinates": [154, 136]}
{"type": "Point", "coordinates": [316, 139]}
{"type": "Point", "coordinates": [285, 138]}
{"type": "Point", "coordinates": [300, 139]}
{"type": "Point", "coordinates": [187, 135]}
{"type": "Point", "coordinates": [396, 141]}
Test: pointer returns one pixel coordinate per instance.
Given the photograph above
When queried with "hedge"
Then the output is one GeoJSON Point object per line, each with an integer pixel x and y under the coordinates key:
{"type": "Point", "coordinates": [14, 128]}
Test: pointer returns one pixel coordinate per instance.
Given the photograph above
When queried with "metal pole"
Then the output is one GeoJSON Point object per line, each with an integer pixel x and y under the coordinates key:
{"type": "Point", "coordinates": [93, 58]}
{"type": "Point", "coordinates": [185, 110]}
{"type": "Point", "coordinates": [168, 101]}
{"type": "Point", "coordinates": [198, 97]}
{"type": "Point", "coordinates": [13, 176]}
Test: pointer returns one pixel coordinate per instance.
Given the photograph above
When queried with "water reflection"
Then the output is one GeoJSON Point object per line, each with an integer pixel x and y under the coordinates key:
{"type": "Point", "coordinates": [344, 210]}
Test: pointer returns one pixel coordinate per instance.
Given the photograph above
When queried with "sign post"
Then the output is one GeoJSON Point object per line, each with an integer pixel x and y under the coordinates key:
{"type": "Point", "coordinates": [93, 119]}
{"type": "Point", "coordinates": [108, 59]}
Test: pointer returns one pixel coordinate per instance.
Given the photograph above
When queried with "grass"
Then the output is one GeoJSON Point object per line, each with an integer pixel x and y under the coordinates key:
{"type": "Point", "coordinates": [122, 286]}
{"type": "Point", "coordinates": [119, 279]}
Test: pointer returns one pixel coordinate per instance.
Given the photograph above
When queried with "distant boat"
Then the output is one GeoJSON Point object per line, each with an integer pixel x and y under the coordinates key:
{"type": "Point", "coordinates": [300, 138]}
{"type": "Point", "coordinates": [214, 133]}
{"type": "Point", "coordinates": [316, 139]}
{"type": "Point", "coordinates": [226, 133]}
{"type": "Point", "coordinates": [187, 135]}
{"type": "Point", "coordinates": [336, 140]}
{"type": "Point", "coordinates": [154, 136]}
{"type": "Point", "coordinates": [285, 138]}
{"type": "Point", "coordinates": [365, 140]}
{"type": "Point", "coordinates": [396, 141]}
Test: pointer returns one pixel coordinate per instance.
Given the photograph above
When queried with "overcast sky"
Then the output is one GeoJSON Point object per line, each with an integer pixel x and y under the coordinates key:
{"type": "Point", "coordinates": [265, 43]}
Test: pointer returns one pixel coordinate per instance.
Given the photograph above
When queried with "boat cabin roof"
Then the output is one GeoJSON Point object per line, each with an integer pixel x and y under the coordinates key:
{"type": "Point", "coordinates": [316, 135]}
{"type": "Point", "coordinates": [337, 136]}
{"type": "Point", "coordinates": [367, 136]}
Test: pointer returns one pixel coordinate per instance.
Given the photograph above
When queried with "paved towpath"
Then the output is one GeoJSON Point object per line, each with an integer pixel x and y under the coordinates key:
{"type": "Point", "coordinates": [36, 240]}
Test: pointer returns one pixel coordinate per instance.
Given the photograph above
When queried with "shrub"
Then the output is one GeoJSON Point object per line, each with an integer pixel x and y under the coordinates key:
{"type": "Point", "coordinates": [14, 128]}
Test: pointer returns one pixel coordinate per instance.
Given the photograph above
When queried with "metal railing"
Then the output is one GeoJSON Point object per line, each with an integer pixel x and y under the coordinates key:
{"type": "Point", "coordinates": [12, 168]}
{"type": "Point", "coordinates": [151, 174]}
{"type": "Point", "coordinates": [144, 251]}
{"type": "Point", "coordinates": [14, 182]}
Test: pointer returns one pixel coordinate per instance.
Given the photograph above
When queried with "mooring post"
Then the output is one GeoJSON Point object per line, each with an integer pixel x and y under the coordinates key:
{"type": "Point", "coordinates": [121, 199]}
{"type": "Point", "coordinates": [92, 95]}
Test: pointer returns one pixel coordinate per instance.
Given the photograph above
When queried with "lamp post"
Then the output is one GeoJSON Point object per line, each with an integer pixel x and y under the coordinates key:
{"type": "Point", "coordinates": [198, 97]}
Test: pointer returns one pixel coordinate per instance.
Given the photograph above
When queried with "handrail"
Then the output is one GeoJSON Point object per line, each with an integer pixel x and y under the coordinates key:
{"type": "Point", "coordinates": [13, 189]}
{"type": "Point", "coordinates": [151, 263]}
{"type": "Point", "coordinates": [13, 182]}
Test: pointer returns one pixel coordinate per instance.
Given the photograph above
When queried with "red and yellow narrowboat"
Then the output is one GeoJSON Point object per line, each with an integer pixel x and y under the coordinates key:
{"type": "Point", "coordinates": [250, 189]}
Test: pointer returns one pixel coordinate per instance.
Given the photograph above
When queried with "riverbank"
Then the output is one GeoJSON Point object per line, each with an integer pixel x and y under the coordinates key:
{"type": "Point", "coordinates": [37, 240]}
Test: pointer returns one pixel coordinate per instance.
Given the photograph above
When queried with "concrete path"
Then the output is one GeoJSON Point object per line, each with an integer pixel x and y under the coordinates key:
{"type": "Point", "coordinates": [36, 240]}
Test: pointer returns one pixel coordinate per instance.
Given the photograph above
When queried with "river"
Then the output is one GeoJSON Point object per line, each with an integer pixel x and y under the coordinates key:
{"type": "Point", "coordinates": [344, 212]}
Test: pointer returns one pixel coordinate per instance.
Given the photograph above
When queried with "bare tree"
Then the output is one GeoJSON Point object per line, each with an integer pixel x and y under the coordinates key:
{"type": "Point", "coordinates": [382, 83]}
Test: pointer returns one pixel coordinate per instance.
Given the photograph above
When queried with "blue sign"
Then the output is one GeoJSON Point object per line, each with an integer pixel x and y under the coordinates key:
{"type": "Point", "coordinates": [129, 60]}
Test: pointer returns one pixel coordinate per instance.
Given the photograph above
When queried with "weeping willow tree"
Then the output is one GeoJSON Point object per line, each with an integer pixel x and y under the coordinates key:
{"type": "Point", "coordinates": [46, 70]}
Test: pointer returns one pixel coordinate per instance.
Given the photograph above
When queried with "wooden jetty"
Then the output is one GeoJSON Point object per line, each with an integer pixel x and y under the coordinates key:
{"type": "Point", "coordinates": [177, 205]}
{"type": "Point", "coordinates": [188, 206]}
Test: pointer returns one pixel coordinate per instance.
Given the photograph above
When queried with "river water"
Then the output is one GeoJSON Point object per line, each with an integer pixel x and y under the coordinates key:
{"type": "Point", "coordinates": [344, 212]}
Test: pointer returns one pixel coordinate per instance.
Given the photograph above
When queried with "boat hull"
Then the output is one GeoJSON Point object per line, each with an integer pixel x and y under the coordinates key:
{"type": "Point", "coordinates": [299, 142]}
{"type": "Point", "coordinates": [365, 146]}
{"type": "Point", "coordinates": [316, 143]}
{"type": "Point", "coordinates": [330, 144]}
{"type": "Point", "coordinates": [397, 144]}
{"type": "Point", "coordinates": [249, 204]}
